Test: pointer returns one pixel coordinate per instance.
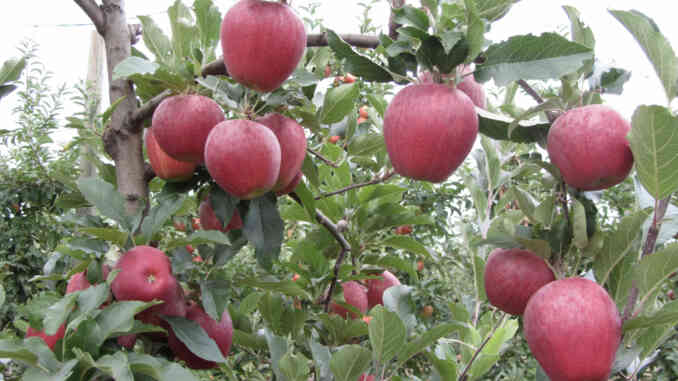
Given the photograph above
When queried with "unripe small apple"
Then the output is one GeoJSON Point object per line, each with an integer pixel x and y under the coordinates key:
{"type": "Point", "coordinates": [243, 157]}
{"type": "Point", "coordinates": [165, 166]}
{"type": "Point", "coordinates": [181, 124]}
{"type": "Point", "coordinates": [420, 266]}
{"type": "Point", "coordinates": [292, 140]}
{"type": "Point", "coordinates": [512, 276]}
{"type": "Point", "coordinates": [362, 112]}
{"type": "Point", "coordinates": [429, 129]}
{"type": "Point", "coordinates": [403, 230]}
{"type": "Point", "coordinates": [334, 139]}
{"type": "Point", "coordinates": [588, 145]}
{"type": "Point", "coordinates": [573, 329]}
{"type": "Point", "coordinates": [354, 295]}
{"type": "Point", "coordinates": [427, 311]}
{"type": "Point", "coordinates": [376, 288]}
{"type": "Point", "coordinates": [262, 43]}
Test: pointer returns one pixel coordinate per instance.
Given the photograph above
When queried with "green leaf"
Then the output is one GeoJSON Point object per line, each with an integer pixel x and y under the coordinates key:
{"type": "Point", "coordinates": [195, 338]}
{"type": "Point", "coordinates": [618, 245]}
{"type": "Point", "coordinates": [366, 145]}
{"type": "Point", "coordinates": [387, 334]}
{"type": "Point", "coordinates": [356, 63]}
{"type": "Point", "coordinates": [493, 10]}
{"type": "Point", "coordinates": [114, 236]}
{"type": "Point", "coordinates": [475, 31]}
{"type": "Point", "coordinates": [118, 317]}
{"type": "Point", "coordinates": [131, 66]}
{"type": "Point", "coordinates": [106, 199]}
{"type": "Point", "coordinates": [6, 90]}
{"type": "Point", "coordinates": [492, 350]}
{"type": "Point", "coordinates": [578, 30]}
{"type": "Point", "coordinates": [497, 127]}
{"type": "Point", "coordinates": [350, 362]}
{"type": "Point", "coordinates": [432, 54]}
{"type": "Point", "coordinates": [183, 30]}
{"type": "Point", "coordinates": [307, 199]}
{"type": "Point", "coordinates": [612, 81]}
{"type": "Point", "coordinates": [654, 144]}
{"type": "Point", "coordinates": [201, 237]}
{"type": "Point", "coordinates": [653, 270]}
{"type": "Point", "coordinates": [548, 56]}
{"type": "Point", "coordinates": [277, 347]}
{"type": "Point", "coordinates": [321, 358]}
{"type": "Point", "coordinates": [58, 313]}
{"type": "Point", "coordinates": [406, 243]}
{"type": "Point", "coordinates": [286, 287]}
{"type": "Point", "coordinates": [159, 369]}
{"type": "Point", "coordinates": [409, 15]}
{"type": "Point", "coordinates": [116, 366]}
{"type": "Point", "coordinates": [398, 299]}
{"type": "Point", "coordinates": [425, 340]}
{"type": "Point", "coordinates": [156, 41]}
{"type": "Point", "coordinates": [339, 102]}
{"type": "Point", "coordinates": [581, 239]}
{"type": "Point", "coordinates": [168, 205]}
{"type": "Point", "coordinates": [656, 47]}
{"type": "Point", "coordinates": [208, 22]}
{"type": "Point", "coordinates": [63, 373]}
{"type": "Point", "coordinates": [11, 70]}
{"type": "Point", "coordinates": [668, 314]}
{"type": "Point", "coordinates": [263, 227]}
{"type": "Point", "coordinates": [223, 204]}
{"type": "Point", "coordinates": [294, 366]}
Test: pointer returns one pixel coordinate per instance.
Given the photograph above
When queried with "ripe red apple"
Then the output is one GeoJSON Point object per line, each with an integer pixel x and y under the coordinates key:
{"type": "Point", "coordinates": [220, 331]}
{"type": "Point", "coordinates": [195, 223]}
{"type": "Point", "coordinates": [243, 157]}
{"type": "Point", "coordinates": [512, 276]}
{"type": "Point", "coordinates": [376, 288]}
{"type": "Point", "coordinates": [127, 341]}
{"type": "Point", "coordinates": [291, 186]}
{"type": "Point", "coordinates": [573, 329]}
{"type": "Point", "coordinates": [292, 140]}
{"type": "Point", "coordinates": [427, 311]}
{"type": "Point", "coordinates": [354, 295]}
{"type": "Point", "coordinates": [209, 219]}
{"type": "Point", "coordinates": [468, 84]}
{"type": "Point", "coordinates": [181, 124]}
{"type": "Point", "coordinates": [50, 340]}
{"type": "Point", "coordinates": [429, 130]}
{"type": "Point", "coordinates": [362, 112]}
{"type": "Point", "coordinates": [366, 377]}
{"type": "Point", "coordinates": [334, 139]}
{"type": "Point", "coordinates": [165, 166]}
{"type": "Point", "coordinates": [262, 42]}
{"type": "Point", "coordinates": [77, 282]}
{"type": "Point", "coordinates": [349, 78]}
{"type": "Point", "coordinates": [420, 266]}
{"type": "Point", "coordinates": [588, 145]}
{"type": "Point", "coordinates": [145, 275]}
{"type": "Point", "coordinates": [403, 229]}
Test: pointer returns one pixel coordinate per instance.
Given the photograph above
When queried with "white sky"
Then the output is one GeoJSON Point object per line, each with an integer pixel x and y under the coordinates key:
{"type": "Point", "coordinates": [63, 47]}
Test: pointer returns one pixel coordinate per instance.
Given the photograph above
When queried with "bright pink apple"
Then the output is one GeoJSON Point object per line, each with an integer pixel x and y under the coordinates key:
{"type": "Point", "coordinates": [376, 288]}
{"type": "Point", "coordinates": [165, 166]}
{"type": "Point", "coordinates": [588, 145]}
{"type": "Point", "coordinates": [291, 186]}
{"type": "Point", "coordinates": [468, 84]}
{"type": "Point", "coordinates": [181, 124]}
{"type": "Point", "coordinates": [220, 331]}
{"type": "Point", "coordinates": [573, 329]}
{"type": "Point", "coordinates": [50, 340]}
{"type": "Point", "coordinates": [243, 157]}
{"type": "Point", "coordinates": [354, 295]}
{"type": "Point", "coordinates": [512, 276]}
{"type": "Point", "coordinates": [262, 42]}
{"type": "Point", "coordinates": [210, 221]}
{"type": "Point", "coordinates": [292, 141]}
{"type": "Point", "coordinates": [429, 130]}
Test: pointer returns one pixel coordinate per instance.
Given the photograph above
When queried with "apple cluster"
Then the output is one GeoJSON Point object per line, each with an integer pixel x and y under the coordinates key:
{"type": "Point", "coordinates": [363, 298]}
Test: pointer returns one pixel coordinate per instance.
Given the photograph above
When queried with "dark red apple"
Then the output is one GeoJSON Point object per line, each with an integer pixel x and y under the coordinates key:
{"type": "Point", "coordinates": [573, 329]}
{"type": "Point", "coordinates": [220, 331]}
{"type": "Point", "coordinates": [181, 124]}
{"type": "Point", "coordinates": [588, 145]}
{"type": "Point", "coordinates": [165, 166]}
{"type": "Point", "coordinates": [429, 129]}
{"type": "Point", "coordinates": [292, 140]}
{"type": "Point", "coordinates": [376, 288]}
{"type": "Point", "coordinates": [354, 295]}
{"type": "Point", "coordinates": [50, 340]}
{"type": "Point", "coordinates": [291, 186]}
{"type": "Point", "coordinates": [512, 276]}
{"type": "Point", "coordinates": [210, 221]}
{"type": "Point", "coordinates": [243, 157]}
{"type": "Point", "coordinates": [262, 42]}
{"type": "Point", "coordinates": [127, 341]}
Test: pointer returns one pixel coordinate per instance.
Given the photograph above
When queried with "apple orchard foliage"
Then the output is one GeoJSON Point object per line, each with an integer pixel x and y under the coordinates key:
{"type": "Point", "coordinates": [326, 174]}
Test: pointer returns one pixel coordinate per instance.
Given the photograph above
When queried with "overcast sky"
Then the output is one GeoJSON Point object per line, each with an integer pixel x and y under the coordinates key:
{"type": "Point", "coordinates": [62, 31]}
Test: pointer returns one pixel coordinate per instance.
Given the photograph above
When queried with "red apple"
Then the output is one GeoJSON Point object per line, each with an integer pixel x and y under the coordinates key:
{"type": "Point", "coordinates": [403, 229]}
{"type": "Point", "coordinates": [429, 129]}
{"type": "Point", "coordinates": [588, 145]}
{"type": "Point", "coordinates": [512, 276]}
{"type": "Point", "coordinates": [210, 221]}
{"type": "Point", "coordinates": [349, 78]}
{"type": "Point", "coordinates": [127, 341]}
{"type": "Point", "coordinates": [77, 282]}
{"type": "Point", "coordinates": [376, 288]}
{"type": "Point", "coordinates": [420, 266]}
{"type": "Point", "coordinates": [354, 295]}
{"type": "Point", "coordinates": [220, 331]}
{"type": "Point", "coordinates": [195, 223]}
{"type": "Point", "coordinates": [291, 186]}
{"type": "Point", "coordinates": [427, 311]}
{"type": "Point", "coordinates": [181, 124]}
{"type": "Point", "coordinates": [362, 112]}
{"type": "Point", "coordinates": [50, 340]}
{"type": "Point", "coordinates": [292, 140]}
{"type": "Point", "coordinates": [366, 377]}
{"type": "Point", "coordinates": [164, 166]}
{"type": "Point", "coordinates": [328, 71]}
{"type": "Point", "coordinates": [190, 249]}
{"type": "Point", "coordinates": [262, 42]}
{"type": "Point", "coordinates": [468, 84]}
{"type": "Point", "coordinates": [180, 226]}
{"type": "Point", "coordinates": [243, 157]}
{"type": "Point", "coordinates": [573, 329]}
{"type": "Point", "coordinates": [334, 139]}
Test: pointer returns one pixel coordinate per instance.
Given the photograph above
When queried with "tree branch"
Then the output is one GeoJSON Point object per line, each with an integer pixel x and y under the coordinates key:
{"type": "Point", "coordinates": [551, 115]}
{"type": "Point", "coordinates": [376, 180]}
{"type": "Point", "coordinates": [146, 111]}
{"type": "Point", "coordinates": [323, 158]}
{"type": "Point", "coordinates": [94, 13]}
{"type": "Point", "coordinates": [358, 40]}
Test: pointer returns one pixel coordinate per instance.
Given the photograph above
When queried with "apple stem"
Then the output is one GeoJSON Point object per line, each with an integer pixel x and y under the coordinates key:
{"type": "Point", "coordinates": [464, 375]}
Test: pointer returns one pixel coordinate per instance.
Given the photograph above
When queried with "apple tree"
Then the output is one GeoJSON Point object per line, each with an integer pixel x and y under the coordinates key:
{"type": "Point", "coordinates": [299, 180]}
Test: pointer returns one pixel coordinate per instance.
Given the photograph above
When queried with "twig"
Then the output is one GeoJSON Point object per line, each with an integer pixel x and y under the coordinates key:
{"type": "Point", "coordinates": [551, 115]}
{"type": "Point", "coordinates": [323, 158]}
{"type": "Point", "coordinates": [146, 111]}
{"type": "Point", "coordinates": [376, 180]}
{"type": "Point", "coordinates": [94, 13]}
{"type": "Point", "coordinates": [464, 375]}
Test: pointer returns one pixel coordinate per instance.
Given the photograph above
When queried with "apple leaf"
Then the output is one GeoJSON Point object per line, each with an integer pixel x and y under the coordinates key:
{"type": "Point", "coordinates": [475, 32]}
{"type": "Point", "coordinates": [31, 351]}
{"type": "Point", "coordinates": [208, 22]}
{"type": "Point", "coordinates": [580, 239]}
{"type": "Point", "coordinates": [492, 351]}
{"type": "Point", "coordinates": [156, 41]}
{"type": "Point", "coordinates": [444, 366]}
{"type": "Point", "coordinates": [669, 226]}
{"type": "Point", "coordinates": [350, 362]}
{"type": "Point", "coordinates": [548, 56]}
{"type": "Point", "coordinates": [118, 318]}
{"type": "Point", "coordinates": [497, 127]}
{"type": "Point", "coordinates": [307, 199]}
{"type": "Point", "coordinates": [655, 45]}
{"type": "Point", "coordinates": [195, 338]}
{"type": "Point", "coordinates": [158, 368]}
{"type": "Point", "coordinates": [425, 340]}
{"type": "Point", "coordinates": [114, 236]}
{"type": "Point", "coordinates": [58, 312]}
{"type": "Point", "coordinates": [263, 227]}
{"type": "Point", "coordinates": [654, 144]}
{"type": "Point", "coordinates": [618, 245]}
{"type": "Point", "coordinates": [321, 358]}
{"type": "Point", "coordinates": [11, 70]}
{"type": "Point", "coordinates": [432, 54]}
{"type": "Point", "coordinates": [406, 243]}
{"type": "Point", "coordinates": [398, 299]}
{"type": "Point", "coordinates": [106, 199]}
{"type": "Point", "coordinates": [387, 334]}
{"type": "Point", "coordinates": [183, 30]}
{"type": "Point", "coordinates": [294, 366]}
{"type": "Point", "coordinates": [493, 10]}
{"type": "Point", "coordinates": [356, 63]}
{"type": "Point", "coordinates": [286, 287]}
{"type": "Point", "coordinates": [200, 237]}
{"type": "Point", "coordinates": [339, 102]}
{"type": "Point", "coordinates": [116, 365]}
{"type": "Point", "coordinates": [167, 205]}
{"type": "Point", "coordinates": [62, 373]}
{"type": "Point", "coordinates": [277, 347]}
{"type": "Point", "coordinates": [409, 15]}
{"type": "Point", "coordinates": [578, 30]}
{"type": "Point", "coordinates": [668, 314]}
{"type": "Point", "coordinates": [653, 270]}
{"type": "Point", "coordinates": [6, 90]}
{"type": "Point", "coordinates": [612, 80]}
{"type": "Point", "coordinates": [366, 145]}
{"type": "Point", "coordinates": [223, 204]}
